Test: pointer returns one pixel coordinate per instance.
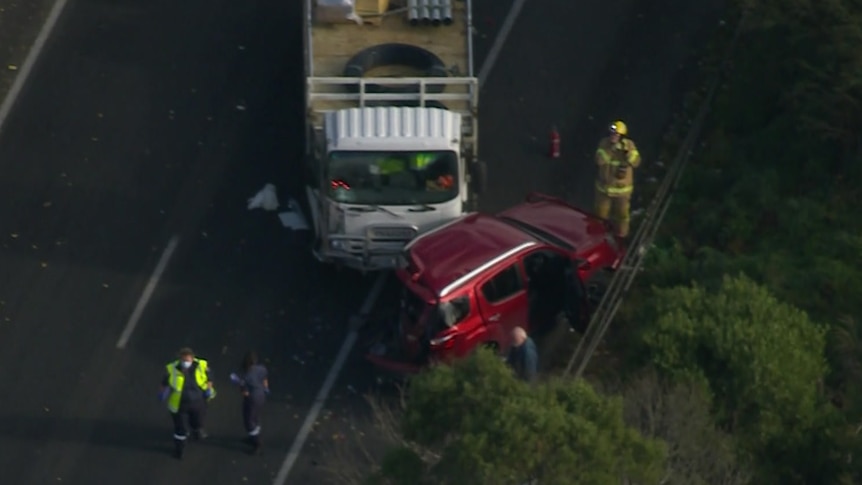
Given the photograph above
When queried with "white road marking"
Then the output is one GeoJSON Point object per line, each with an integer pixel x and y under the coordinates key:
{"type": "Point", "coordinates": [346, 347]}
{"type": "Point", "coordinates": [511, 17]}
{"type": "Point", "coordinates": [30, 60]}
{"type": "Point", "coordinates": [148, 291]}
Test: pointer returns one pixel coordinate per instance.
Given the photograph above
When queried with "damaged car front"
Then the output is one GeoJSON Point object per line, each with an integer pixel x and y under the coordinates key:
{"type": "Point", "coordinates": [424, 332]}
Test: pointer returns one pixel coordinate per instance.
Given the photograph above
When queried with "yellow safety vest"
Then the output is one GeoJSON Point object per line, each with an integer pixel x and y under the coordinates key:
{"type": "Point", "coordinates": [176, 380]}
{"type": "Point", "coordinates": [388, 166]}
{"type": "Point", "coordinates": [422, 160]}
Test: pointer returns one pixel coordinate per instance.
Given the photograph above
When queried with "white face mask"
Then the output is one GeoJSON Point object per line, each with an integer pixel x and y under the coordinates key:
{"type": "Point", "coordinates": [186, 364]}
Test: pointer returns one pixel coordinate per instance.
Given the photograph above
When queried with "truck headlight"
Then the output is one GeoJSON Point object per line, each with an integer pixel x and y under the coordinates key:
{"type": "Point", "coordinates": [338, 244]}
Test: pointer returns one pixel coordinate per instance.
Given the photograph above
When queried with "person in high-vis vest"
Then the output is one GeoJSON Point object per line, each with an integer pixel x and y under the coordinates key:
{"type": "Point", "coordinates": [421, 161]}
{"type": "Point", "coordinates": [396, 163]}
{"type": "Point", "coordinates": [186, 389]}
{"type": "Point", "coordinates": [617, 157]}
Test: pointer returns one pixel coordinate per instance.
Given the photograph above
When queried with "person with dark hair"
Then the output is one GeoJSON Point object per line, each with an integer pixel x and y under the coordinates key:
{"type": "Point", "coordinates": [253, 382]}
{"type": "Point", "coordinates": [186, 389]}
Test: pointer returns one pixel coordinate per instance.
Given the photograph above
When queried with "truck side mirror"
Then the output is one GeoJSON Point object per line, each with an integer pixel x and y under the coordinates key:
{"type": "Point", "coordinates": [479, 176]}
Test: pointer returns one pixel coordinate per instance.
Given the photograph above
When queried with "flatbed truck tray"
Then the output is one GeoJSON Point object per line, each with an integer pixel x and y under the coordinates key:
{"type": "Point", "coordinates": [329, 47]}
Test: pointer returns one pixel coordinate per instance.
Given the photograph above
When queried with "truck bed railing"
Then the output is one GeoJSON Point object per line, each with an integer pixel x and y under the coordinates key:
{"type": "Point", "coordinates": [356, 90]}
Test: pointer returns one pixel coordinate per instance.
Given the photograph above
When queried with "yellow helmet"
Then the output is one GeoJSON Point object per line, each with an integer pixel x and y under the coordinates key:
{"type": "Point", "coordinates": [619, 127]}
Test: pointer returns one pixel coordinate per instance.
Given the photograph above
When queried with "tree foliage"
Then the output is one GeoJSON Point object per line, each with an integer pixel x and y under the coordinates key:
{"type": "Point", "coordinates": [772, 194]}
{"type": "Point", "coordinates": [761, 358]}
{"type": "Point", "coordinates": [679, 413]}
{"type": "Point", "coordinates": [480, 425]}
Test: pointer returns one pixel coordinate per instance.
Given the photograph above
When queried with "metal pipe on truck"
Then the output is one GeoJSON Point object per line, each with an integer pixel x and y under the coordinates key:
{"type": "Point", "coordinates": [435, 12]}
{"type": "Point", "coordinates": [447, 12]}
{"type": "Point", "coordinates": [413, 11]}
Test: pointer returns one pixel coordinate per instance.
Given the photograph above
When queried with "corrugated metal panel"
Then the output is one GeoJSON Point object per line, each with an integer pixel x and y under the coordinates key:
{"type": "Point", "coordinates": [356, 128]}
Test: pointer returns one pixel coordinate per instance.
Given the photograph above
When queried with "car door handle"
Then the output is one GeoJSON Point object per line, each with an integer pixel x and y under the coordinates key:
{"type": "Point", "coordinates": [494, 318]}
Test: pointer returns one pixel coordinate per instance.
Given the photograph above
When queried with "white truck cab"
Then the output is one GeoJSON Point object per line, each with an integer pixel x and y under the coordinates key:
{"type": "Point", "coordinates": [388, 158]}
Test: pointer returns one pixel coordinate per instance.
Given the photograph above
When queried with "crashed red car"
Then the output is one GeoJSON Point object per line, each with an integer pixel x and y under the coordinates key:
{"type": "Point", "coordinates": [469, 282]}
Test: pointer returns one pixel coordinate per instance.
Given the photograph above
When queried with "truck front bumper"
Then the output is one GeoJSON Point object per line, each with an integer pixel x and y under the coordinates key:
{"type": "Point", "coordinates": [366, 263]}
{"type": "Point", "coordinates": [361, 254]}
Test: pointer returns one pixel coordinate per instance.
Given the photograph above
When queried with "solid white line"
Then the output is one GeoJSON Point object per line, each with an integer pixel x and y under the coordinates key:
{"type": "Point", "coordinates": [346, 347]}
{"type": "Point", "coordinates": [30, 60]}
{"type": "Point", "coordinates": [517, 5]}
{"type": "Point", "coordinates": [148, 292]}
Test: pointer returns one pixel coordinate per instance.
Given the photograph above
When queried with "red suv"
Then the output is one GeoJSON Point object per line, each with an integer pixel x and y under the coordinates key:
{"type": "Point", "coordinates": [469, 282]}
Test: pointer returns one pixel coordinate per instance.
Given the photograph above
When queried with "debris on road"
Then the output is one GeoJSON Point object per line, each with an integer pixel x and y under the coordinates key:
{"type": "Point", "coordinates": [265, 199]}
{"type": "Point", "coordinates": [293, 218]}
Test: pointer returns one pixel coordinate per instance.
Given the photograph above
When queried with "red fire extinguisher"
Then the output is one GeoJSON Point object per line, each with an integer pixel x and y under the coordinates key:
{"type": "Point", "coordinates": [555, 143]}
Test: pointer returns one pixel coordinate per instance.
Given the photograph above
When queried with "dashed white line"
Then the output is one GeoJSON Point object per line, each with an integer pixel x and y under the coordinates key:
{"type": "Point", "coordinates": [148, 291]}
{"type": "Point", "coordinates": [497, 46]}
{"type": "Point", "coordinates": [30, 61]}
{"type": "Point", "coordinates": [346, 347]}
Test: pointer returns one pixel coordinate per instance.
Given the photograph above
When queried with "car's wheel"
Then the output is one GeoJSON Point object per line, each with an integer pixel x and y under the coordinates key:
{"type": "Point", "coordinates": [597, 285]}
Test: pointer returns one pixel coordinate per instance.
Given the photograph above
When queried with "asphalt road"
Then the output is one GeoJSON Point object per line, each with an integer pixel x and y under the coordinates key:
{"type": "Point", "coordinates": [129, 134]}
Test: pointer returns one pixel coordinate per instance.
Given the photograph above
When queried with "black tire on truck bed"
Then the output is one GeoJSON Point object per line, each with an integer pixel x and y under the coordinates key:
{"type": "Point", "coordinates": [397, 55]}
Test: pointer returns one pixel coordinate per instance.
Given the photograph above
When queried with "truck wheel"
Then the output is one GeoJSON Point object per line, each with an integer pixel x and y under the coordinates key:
{"type": "Point", "coordinates": [396, 55]}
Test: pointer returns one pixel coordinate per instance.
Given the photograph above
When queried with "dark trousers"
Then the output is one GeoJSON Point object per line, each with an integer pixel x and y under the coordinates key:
{"type": "Point", "coordinates": [251, 410]}
{"type": "Point", "coordinates": [195, 413]}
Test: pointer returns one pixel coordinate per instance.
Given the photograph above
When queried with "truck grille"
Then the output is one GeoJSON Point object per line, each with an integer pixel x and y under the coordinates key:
{"type": "Point", "coordinates": [391, 233]}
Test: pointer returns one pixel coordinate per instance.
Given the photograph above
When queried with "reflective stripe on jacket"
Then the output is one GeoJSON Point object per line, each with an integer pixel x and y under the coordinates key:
{"type": "Point", "coordinates": [609, 157]}
{"type": "Point", "coordinates": [176, 380]}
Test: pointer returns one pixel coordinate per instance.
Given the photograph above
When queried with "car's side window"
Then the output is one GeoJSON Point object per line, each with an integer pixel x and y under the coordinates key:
{"type": "Point", "coordinates": [505, 284]}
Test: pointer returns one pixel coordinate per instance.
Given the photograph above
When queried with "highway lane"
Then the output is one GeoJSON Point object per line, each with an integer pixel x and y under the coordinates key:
{"type": "Point", "coordinates": [576, 65]}
{"type": "Point", "coordinates": [87, 413]}
{"type": "Point", "coordinates": [128, 134]}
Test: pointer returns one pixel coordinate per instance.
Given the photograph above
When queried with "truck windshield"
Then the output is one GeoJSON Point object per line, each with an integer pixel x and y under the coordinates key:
{"type": "Point", "coordinates": [393, 178]}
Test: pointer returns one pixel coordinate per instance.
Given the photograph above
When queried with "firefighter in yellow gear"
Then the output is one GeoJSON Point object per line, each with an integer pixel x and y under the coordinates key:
{"type": "Point", "coordinates": [616, 157]}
